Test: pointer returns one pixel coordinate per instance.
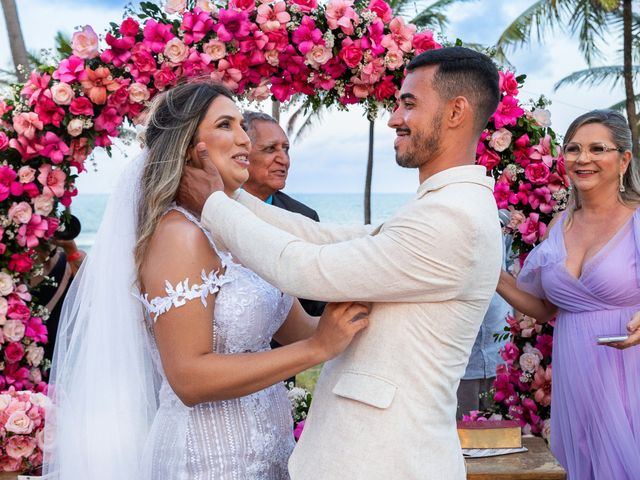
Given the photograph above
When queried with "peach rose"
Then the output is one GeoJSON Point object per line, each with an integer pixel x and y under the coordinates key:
{"type": "Point", "coordinates": [26, 174]}
{"type": "Point", "coordinates": [20, 213]}
{"type": "Point", "coordinates": [6, 284]}
{"type": "Point", "coordinates": [318, 55]}
{"type": "Point", "coordinates": [19, 422]}
{"type": "Point", "coordinates": [138, 93]}
{"type": "Point", "coordinates": [34, 354]}
{"type": "Point", "coordinates": [35, 375]}
{"type": "Point", "coordinates": [215, 49]}
{"type": "Point", "coordinates": [43, 205]}
{"type": "Point", "coordinates": [175, 50]}
{"type": "Point", "coordinates": [85, 43]}
{"type": "Point", "coordinates": [394, 59]}
{"type": "Point", "coordinates": [271, 56]}
{"type": "Point", "coordinates": [500, 140]}
{"type": "Point", "coordinates": [517, 218]}
{"type": "Point", "coordinates": [13, 330]}
{"type": "Point", "coordinates": [20, 446]}
{"type": "Point", "coordinates": [175, 6]}
{"type": "Point", "coordinates": [206, 6]}
{"type": "Point", "coordinates": [62, 93]}
{"type": "Point", "coordinates": [75, 126]}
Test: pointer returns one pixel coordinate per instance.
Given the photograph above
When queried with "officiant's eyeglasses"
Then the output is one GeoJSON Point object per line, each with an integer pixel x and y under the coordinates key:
{"type": "Point", "coordinates": [572, 151]}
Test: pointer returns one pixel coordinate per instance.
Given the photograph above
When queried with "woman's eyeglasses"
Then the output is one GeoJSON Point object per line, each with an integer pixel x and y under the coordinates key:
{"type": "Point", "coordinates": [572, 151]}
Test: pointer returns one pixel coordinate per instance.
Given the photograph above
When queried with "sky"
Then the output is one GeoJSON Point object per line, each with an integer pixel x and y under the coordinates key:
{"type": "Point", "coordinates": [332, 157]}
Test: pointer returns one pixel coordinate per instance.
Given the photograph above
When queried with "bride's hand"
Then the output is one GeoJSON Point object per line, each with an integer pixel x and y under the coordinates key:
{"type": "Point", "coordinates": [338, 326]}
{"type": "Point", "coordinates": [200, 178]}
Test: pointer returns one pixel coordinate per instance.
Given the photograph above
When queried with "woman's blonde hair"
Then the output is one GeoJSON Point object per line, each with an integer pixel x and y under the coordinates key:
{"type": "Point", "coordinates": [621, 134]}
{"type": "Point", "coordinates": [173, 121]}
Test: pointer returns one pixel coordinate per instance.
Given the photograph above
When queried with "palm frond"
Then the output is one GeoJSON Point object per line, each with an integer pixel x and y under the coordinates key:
{"type": "Point", "coordinates": [541, 15]}
{"type": "Point", "coordinates": [622, 106]}
{"type": "Point", "coordinates": [595, 76]}
{"type": "Point", "coordinates": [312, 119]}
{"type": "Point", "coordinates": [433, 15]}
{"type": "Point", "coordinates": [590, 23]}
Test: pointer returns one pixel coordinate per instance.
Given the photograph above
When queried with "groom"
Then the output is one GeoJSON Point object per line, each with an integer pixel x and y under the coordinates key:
{"type": "Point", "coordinates": [385, 408]}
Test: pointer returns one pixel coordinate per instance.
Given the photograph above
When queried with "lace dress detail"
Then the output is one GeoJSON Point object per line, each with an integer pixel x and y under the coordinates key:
{"type": "Point", "coordinates": [246, 438]}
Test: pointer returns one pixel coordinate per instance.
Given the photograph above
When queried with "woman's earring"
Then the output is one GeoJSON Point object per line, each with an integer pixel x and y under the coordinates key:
{"type": "Point", "coordinates": [621, 187]}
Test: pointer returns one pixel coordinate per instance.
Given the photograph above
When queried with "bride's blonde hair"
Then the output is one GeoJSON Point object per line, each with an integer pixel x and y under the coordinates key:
{"type": "Point", "coordinates": [173, 121]}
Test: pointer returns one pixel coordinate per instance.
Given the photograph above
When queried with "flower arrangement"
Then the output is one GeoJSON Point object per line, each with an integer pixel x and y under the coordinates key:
{"type": "Point", "coordinates": [519, 149]}
{"type": "Point", "coordinates": [21, 430]}
{"type": "Point", "coordinates": [300, 400]}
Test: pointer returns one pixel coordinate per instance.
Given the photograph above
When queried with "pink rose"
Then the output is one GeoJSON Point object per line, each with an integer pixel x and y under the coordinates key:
{"type": "Point", "coordinates": [62, 93]}
{"type": "Point", "coordinates": [215, 49]}
{"type": "Point", "coordinates": [175, 6]}
{"type": "Point", "coordinates": [13, 353]}
{"type": "Point", "coordinates": [242, 5]}
{"type": "Point", "coordinates": [424, 41]}
{"type": "Point", "coordinates": [43, 205]}
{"type": "Point", "coordinates": [75, 127]}
{"type": "Point", "coordinates": [175, 50]}
{"type": "Point", "coordinates": [394, 59]}
{"type": "Point", "coordinates": [529, 362]}
{"type": "Point", "coordinates": [532, 229]}
{"type": "Point", "coordinates": [81, 106]}
{"type": "Point", "coordinates": [537, 172]}
{"type": "Point", "coordinates": [4, 141]}
{"type": "Point", "coordinates": [20, 213]}
{"type": "Point", "coordinates": [381, 9]}
{"type": "Point", "coordinates": [13, 330]}
{"type": "Point", "coordinates": [85, 43]}
{"type": "Point", "coordinates": [500, 140]}
{"type": "Point", "coordinates": [351, 53]}
{"type": "Point", "coordinates": [319, 55]}
{"type": "Point", "coordinates": [340, 14]}
{"type": "Point", "coordinates": [20, 423]}
{"type": "Point", "coordinates": [20, 446]}
{"type": "Point", "coordinates": [26, 174]}
{"type": "Point", "coordinates": [26, 124]}
{"type": "Point", "coordinates": [138, 93]}
{"type": "Point", "coordinates": [508, 83]}
{"type": "Point", "coordinates": [20, 263]}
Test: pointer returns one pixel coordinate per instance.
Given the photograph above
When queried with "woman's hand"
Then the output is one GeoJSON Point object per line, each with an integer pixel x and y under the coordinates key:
{"type": "Point", "coordinates": [633, 329]}
{"type": "Point", "coordinates": [338, 325]}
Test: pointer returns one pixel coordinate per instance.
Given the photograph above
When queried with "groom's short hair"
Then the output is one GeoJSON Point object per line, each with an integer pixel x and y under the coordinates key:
{"type": "Point", "coordinates": [463, 72]}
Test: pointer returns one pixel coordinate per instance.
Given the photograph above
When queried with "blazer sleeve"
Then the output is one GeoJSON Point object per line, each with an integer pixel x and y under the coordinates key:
{"type": "Point", "coordinates": [299, 225]}
{"type": "Point", "coordinates": [413, 260]}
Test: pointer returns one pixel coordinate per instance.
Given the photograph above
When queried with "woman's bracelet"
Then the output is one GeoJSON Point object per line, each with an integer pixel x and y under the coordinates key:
{"type": "Point", "coordinates": [75, 256]}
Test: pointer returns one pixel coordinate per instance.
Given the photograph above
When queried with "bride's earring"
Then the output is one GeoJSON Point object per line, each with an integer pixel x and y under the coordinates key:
{"type": "Point", "coordinates": [621, 187]}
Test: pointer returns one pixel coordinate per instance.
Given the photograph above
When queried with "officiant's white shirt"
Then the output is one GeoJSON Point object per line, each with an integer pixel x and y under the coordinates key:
{"type": "Point", "coordinates": [385, 408]}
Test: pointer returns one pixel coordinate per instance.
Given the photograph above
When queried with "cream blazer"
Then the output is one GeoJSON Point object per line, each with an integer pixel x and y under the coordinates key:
{"type": "Point", "coordinates": [385, 408]}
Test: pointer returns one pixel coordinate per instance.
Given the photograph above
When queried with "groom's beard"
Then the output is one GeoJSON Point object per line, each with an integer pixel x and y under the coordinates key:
{"type": "Point", "coordinates": [423, 146]}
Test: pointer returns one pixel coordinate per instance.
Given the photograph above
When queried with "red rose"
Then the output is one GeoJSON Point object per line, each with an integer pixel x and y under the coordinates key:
{"type": "Point", "coordinates": [351, 53]}
{"type": "Point", "coordinates": [18, 311]}
{"type": "Point", "coordinates": [20, 263]}
{"type": "Point", "coordinates": [14, 352]}
{"type": "Point", "coordinates": [385, 88]}
{"type": "Point", "coordinates": [163, 77]}
{"type": "Point", "coordinates": [129, 27]}
{"type": "Point", "coordinates": [81, 106]}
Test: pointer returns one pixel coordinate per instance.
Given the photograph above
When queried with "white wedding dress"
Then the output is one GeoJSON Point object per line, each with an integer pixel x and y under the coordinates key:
{"type": "Point", "coordinates": [247, 438]}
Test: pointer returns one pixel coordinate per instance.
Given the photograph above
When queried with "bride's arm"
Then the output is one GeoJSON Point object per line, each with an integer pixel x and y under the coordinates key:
{"type": "Point", "coordinates": [179, 250]}
{"type": "Point", "coordinates": [299, 325]}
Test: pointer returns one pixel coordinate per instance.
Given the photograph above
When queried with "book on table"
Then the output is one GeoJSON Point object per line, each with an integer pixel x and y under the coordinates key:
{"type": "Point", "coordinates": [489, 434]}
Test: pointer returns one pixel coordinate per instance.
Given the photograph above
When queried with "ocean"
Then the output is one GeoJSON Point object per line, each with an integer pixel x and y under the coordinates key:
{"type": "Point", "coordinates": [343, 208]}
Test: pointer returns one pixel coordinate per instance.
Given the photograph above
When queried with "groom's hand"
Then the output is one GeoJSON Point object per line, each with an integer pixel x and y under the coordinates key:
{"type": "Point", "coordinates": [200, 178]}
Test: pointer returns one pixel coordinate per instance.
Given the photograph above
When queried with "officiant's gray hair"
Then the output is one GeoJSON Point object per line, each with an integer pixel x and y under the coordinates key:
{"type": "Point", "coordinates": [173, 121]}
{"type": "Point", "coordinates": [620, 132]}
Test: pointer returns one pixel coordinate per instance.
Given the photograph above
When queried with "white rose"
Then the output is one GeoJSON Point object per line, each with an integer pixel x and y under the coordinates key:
{"type": "Point", "coordinates": [6, 284]}
{"type": "Point", "coordinates": [138, 93]}
{"type": "Point", "coordinates": [175, 50]}
{"type": "Point", "coordinates": [20, 212]}
{"type": "Point", "coordinates": [500, 140]}
{"type": "Point", "coordinates": [319, 55]}
{"type": "Point", "coordinates": [529, 362]}
{"type": "Point", "coordinates": [13, 330]}
{"type": "Point", "coordinates": [5, 400]}
{"type": "Point", "coordinates": [19, 423]}
{"type": "Point", "coordinates": [542, 117]}
{"type": "Point", "coordinates": [3, 306]}
{"type": "Point", "coordinates": [40, 400]}
{"type": "Point", "coordinates": [62, 93]}
{"type": "Point", "coordinates": [34, 354]}
{"type": "Point", "coordinates": [75, 127]}
{"type": "Point", "coordinates": [175, 6]}
{"type": "Point", "coordinates": [43, 205]}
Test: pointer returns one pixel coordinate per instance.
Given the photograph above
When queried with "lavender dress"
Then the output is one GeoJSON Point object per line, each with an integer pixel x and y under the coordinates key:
{"type": "Point", "coordinates": [595, 406]}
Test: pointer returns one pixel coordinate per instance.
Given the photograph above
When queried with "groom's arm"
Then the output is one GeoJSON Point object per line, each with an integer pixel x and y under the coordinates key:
{"type": "Point", "coordinates": [413, 262]}
{"type": "Point", "coordinates": [299, 225]}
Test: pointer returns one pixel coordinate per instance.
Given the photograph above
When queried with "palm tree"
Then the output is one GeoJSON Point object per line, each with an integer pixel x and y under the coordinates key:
{"type": "Point", "coordinates": [589, 20]}
{"type": "Point", "coordinates": [16, 40]}
{"type": "Point", "coordinates": [431, 16]}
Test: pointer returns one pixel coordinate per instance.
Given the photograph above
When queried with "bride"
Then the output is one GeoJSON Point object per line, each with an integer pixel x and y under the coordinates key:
{"type": "Point", "coordinates": [162, 368]}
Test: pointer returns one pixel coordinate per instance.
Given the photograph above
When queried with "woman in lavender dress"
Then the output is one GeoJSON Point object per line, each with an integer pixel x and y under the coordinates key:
{"type": "Point", "coordinates": [587, 272]}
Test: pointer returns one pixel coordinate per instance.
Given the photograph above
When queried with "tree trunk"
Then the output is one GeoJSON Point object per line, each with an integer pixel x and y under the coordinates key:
{"type": "Point", "coordinates": [627, 43]}
{"type": "Point", "coordinates": [275, 110]}
{"type": "Point", "coordinates": [16, 40]}
{"type": "Point", "coordinates": [367, 182]}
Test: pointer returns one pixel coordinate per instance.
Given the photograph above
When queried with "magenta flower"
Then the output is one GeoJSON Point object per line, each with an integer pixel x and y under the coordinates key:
{"type": "Point", "coordinates": [53, 147]}
{"type": "Point", "coordinates": [424, 41]}
{"type": "Point", "coordinates": [542, 152]}
{"type": "Point", "coordinates": [541, 199]}
{"type": "Point", "coordinates": [27, 149]}
{"type": "Point", "coordinates": [242, 5]}
{"type": "Point", "coordinates": [503, 195]}
{"type": "Point", "coordinates": [232, 25]}
{"type": "Point", "coordinates": [108, 121]}
{"type": "Point", "coordinates": [544, 343]}
{"type": "Point", "coordinates": [306, 36]}
{"type": "Point", "coordinates": [81, 106]}
{"type": "Point", "coordinates": [49, 112]}
{"type": "Point", "coordinates": [507, 112]}
{"type": "Point", "coordinates": [120, 51]}
{"type": "Point", "coordinates": [508, 83]}
{"type": "Point", "coordinates": [29, 233]}
{"type": "Point", "coordinates": [272, 17]}
{"type": "Point", "coordinates": [129, 27]}
{"type": "Point", "coordinates": [27, 123]}
{"type": "Point", "coordinates": [36, 86]}
{"type": "Point", "coordinates": [487, 157]}
{"type": "Point", "coordinates": [542, 386]}
{"type": "Point", "coordinates": [381, 9]}
{"type": "Point", "coordinates": [52, 180]}
{"type": "Point", "coordinates": [70, 69]}
{"type": "Point", "coordinates": [305, 6]}
{"type": "Point", "coordinates": [298, 430]}
{"type": "Point", "coordinates": [196, 25]}
{"type": "Point", "coordinates": [510, 352]}
{"type": "Point", "coordinates": [351, 53]}
{"type": "Point", "coordinates": [537, 173]}
{"type": "Point", "coordinates": [505, 392]}
{"type": "Point", "coordinates": [532, 229]}
{"type": "Point", "coordinates": [36, 330]}
{"type": "Point", "coordinates": [156, 35]}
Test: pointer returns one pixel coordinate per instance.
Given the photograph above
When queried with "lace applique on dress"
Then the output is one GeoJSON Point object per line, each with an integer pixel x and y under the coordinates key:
{"type": "Point", "coordinates": [179, 295]}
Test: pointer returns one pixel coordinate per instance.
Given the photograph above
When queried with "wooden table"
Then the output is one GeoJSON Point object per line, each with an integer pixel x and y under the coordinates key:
{"type": "Point", "coordinates": [536, 464]}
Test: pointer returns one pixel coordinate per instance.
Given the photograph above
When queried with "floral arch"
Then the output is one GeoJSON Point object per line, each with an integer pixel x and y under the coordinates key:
{"type": "Point", "coordinates": [338, 53]}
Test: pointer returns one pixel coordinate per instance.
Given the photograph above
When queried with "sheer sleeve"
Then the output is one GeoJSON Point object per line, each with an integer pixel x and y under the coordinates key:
{"type": "Point", "coordinates": [179, 295]}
